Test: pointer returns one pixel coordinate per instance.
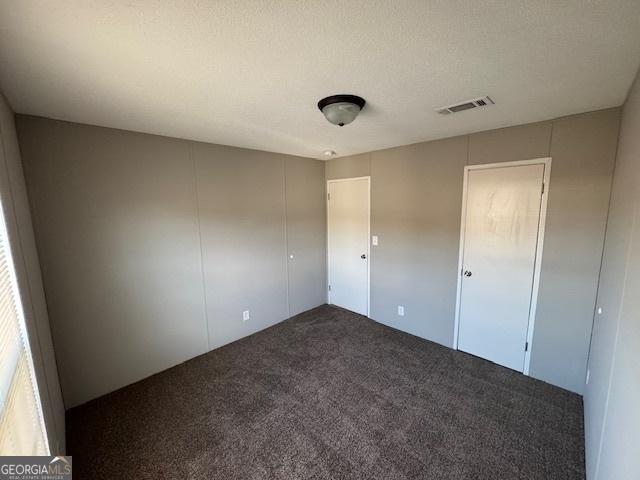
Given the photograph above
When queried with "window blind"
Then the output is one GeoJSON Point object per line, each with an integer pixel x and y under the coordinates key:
{"type": "Point", "coordinates": [22, 429]}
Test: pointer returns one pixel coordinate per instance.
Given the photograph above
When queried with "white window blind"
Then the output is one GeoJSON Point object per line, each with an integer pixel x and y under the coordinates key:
{"type": "Point", "coordinates": [22, 429]}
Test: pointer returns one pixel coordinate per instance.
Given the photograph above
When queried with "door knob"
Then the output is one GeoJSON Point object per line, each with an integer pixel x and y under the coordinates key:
{"type": "Point", "coordinates": [467, 273]}
{"type": "Point", "coordinates": [363, 256]}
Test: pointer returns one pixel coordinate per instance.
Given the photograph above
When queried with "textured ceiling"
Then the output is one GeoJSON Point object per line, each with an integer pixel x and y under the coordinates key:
{"type": "Point", "coordinates": [249, 73]}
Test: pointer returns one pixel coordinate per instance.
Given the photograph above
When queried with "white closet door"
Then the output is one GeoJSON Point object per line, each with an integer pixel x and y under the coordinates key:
{"type": "Point", "coordinates": [501, 232]}
{"type": "Point", "coordinates": [348, 225]}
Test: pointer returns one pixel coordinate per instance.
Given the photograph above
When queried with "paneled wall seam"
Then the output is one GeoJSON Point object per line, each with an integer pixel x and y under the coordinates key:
{"type": "Point", "coordinates": [604, 241]}
{"type": "Point", "coordinates": [198, 218]}
{"type": "Point", "coordinates": [468, 151]}
{"type": "Point", "coordinates": [326, 234]}
{"type": "Point", "coordinates": [286, 234]}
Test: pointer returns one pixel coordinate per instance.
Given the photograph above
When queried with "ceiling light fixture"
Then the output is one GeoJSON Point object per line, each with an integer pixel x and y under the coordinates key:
{"type": "Point", "coordinates": [329, 153]}
{"type": "Point", "coordinates": [341, 109]}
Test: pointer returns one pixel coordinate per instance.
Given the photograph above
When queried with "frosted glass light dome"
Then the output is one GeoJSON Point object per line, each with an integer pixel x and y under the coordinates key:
{"type": "Point", "coordinates": [341, 109]}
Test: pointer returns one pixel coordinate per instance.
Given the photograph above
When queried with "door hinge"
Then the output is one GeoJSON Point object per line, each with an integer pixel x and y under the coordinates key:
{"type": "Point", "coordinates": [329, 287]}
{"type": "Point", "coordinates": [328, 196]}
{"type": "Point", "coordinates": [526, 346]}
{"type": "Point", "coordinates": [543, 188]}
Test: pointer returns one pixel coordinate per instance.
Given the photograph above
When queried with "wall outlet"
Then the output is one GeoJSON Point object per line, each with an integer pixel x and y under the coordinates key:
{"type": "Point", "coordinates": [374, 240]}
{"type": "Point", "coordinates": [599, 310]}
{"type": "Point", "coordinates": [245, 315]}
{"type": "Point", "coordinates": [588, 376]}
{"type": "Point", "coordinates": [401, 310]}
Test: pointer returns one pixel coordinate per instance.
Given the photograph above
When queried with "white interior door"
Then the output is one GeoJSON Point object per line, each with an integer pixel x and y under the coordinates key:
{"type": "Point", "coordinates": [348, 243]}
{"type": "Point", "coordinates": [503, 211]}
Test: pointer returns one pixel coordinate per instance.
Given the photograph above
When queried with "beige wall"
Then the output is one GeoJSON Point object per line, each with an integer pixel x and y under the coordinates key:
{"type": "Point", "coordinates": [416, 202]}
{"type": "Point", "coordinates": [306, 236]}
{"type": "Point", "coordinates": [15, 205]}
{"type": "Point", "coordinates": [583, 148]}
{"type": "Point", "coordinates": [348, 167]}
{"type": "Point", "coordinates": [241, 202]}
{"type": "Point", "coordinates": [152, 247]}
{"type": "Point", "coordinates": [415, 211]}
{"type": "Point", "coordinates": [612, 397]}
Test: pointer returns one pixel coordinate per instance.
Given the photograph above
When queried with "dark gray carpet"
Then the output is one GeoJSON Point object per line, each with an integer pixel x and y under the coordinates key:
{"type": "Point", "coordinates": [331, 395]}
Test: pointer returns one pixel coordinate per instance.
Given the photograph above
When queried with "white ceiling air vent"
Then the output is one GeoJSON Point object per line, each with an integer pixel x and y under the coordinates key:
{"type": "Point", "coordinates": [469, 104]}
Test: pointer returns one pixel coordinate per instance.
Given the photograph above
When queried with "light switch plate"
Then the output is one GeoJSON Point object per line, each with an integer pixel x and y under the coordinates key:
{"type": "Point", "coordinates": [374, 240]}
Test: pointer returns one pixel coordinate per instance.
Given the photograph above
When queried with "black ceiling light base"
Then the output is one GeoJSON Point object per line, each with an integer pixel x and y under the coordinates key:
{"type": "Point", "coordinates": [341, 109]}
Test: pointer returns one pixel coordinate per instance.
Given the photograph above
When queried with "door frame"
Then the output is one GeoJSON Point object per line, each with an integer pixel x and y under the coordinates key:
{"type": "Point", "coordinates": [337, 180]}
{"type": "Point", "coordinates": [546, 161]}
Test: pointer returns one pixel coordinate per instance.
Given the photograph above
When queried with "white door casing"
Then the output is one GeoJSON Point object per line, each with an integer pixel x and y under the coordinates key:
{"type": "Point", "coordinates": [348, 207]}
{"type": "Point", "coordinates": [504, 208]}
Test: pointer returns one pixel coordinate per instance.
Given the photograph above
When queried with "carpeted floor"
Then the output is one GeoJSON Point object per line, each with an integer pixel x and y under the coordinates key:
{"type": "Point", "coordinates": [331, 395]}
